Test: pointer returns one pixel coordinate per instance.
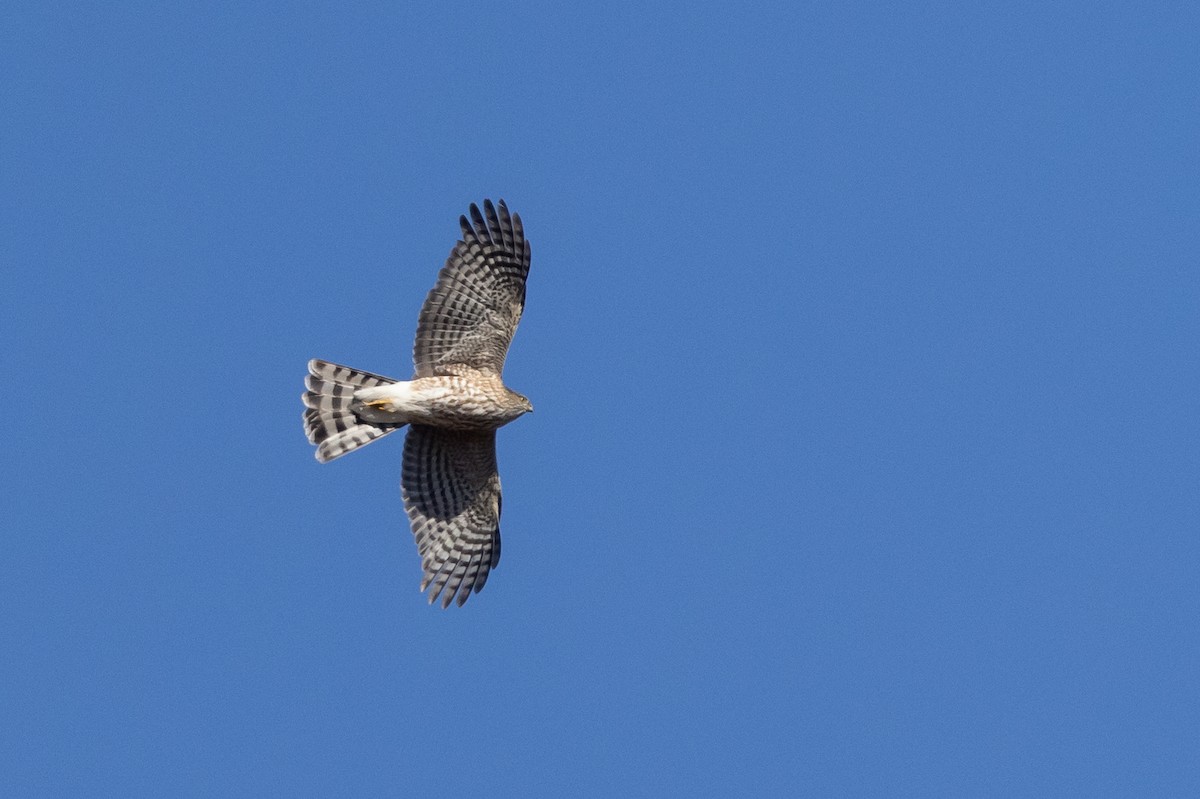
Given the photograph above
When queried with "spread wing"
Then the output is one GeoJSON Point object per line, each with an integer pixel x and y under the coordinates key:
{"type": "Point", "coordinates": [452, 494]}
{"type": "Point", "coordinates": [472, 312]}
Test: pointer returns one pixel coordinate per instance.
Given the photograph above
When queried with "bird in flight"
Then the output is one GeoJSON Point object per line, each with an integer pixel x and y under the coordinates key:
{"type": "Point", "coordinates": [453, 405]}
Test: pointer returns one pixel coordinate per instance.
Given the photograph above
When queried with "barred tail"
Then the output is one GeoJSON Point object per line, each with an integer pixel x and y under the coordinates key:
{"type": "Point", "coordinates": [329, 420]}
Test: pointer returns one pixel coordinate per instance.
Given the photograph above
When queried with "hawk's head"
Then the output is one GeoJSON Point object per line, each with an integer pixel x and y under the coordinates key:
{"type": "Point", "coordinates": [524, 403]}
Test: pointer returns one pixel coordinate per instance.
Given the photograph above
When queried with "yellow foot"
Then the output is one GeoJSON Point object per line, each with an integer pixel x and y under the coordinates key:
{"type": "Point", "coordinates": [379, 404]}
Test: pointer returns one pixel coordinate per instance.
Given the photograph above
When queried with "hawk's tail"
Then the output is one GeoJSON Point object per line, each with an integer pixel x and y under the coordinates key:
{"type": "Point", "coordinates": [329, 421]}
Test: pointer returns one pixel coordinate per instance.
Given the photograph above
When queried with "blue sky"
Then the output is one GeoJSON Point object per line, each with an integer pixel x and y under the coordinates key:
{"type": "Point", "coordinates": [863, 342]}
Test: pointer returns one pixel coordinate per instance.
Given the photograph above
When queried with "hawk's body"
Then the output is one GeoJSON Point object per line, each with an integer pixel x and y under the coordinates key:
{"type": "Point", "coordinates": [458, 402]}
{"type": "Point", "coordinates": [453, 405]}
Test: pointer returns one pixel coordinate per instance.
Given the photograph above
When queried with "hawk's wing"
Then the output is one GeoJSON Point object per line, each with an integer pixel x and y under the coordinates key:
{"type": "Point", "coordinates": [452, 494]}
{"type": "Point", "coordinates": [471, 313]}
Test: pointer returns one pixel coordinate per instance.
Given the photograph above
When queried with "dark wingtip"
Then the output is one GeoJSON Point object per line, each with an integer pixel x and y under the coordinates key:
{"type": "Point", "coordinates": [477, 218]}
{"type": "Point", "coordinates": [495, 223]}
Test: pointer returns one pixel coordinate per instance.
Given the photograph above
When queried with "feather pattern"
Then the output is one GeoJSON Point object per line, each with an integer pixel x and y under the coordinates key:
{"type": "Point", "coordinates": [469, 318]}
{"type": "Point", "coordinates": [451, 490]}
{"type": "Point", "coordinates": [329, 418]}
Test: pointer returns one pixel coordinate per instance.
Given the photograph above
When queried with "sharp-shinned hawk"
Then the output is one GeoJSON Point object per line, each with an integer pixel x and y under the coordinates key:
{"type": "Point", "coordinates": [453, 405]}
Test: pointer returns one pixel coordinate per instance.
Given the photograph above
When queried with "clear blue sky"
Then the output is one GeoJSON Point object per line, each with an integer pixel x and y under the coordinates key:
{"type": "Point", "coordinates": [864, 347]}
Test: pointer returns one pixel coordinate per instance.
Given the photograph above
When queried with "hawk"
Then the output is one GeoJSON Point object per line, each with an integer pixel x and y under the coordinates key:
{"type": "Point", "coordinates": [453, 405]}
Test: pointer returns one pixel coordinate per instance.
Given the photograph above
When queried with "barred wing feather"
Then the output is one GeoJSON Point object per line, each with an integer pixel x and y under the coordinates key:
{"type": "Point", "coordinates": [469, 318]}
{"type": "Point", "coordinates": [451, 491]}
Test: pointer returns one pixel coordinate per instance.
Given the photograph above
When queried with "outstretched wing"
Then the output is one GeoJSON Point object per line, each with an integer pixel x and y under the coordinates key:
{"type": "Point", "coordinates": [472, 312]}
{"type": "Point", "coordinates": [452, 494]}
